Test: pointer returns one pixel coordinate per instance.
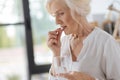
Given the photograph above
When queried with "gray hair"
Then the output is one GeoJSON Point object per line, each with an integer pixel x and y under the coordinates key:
{"type": "Point", "coordinates": [81, 7]}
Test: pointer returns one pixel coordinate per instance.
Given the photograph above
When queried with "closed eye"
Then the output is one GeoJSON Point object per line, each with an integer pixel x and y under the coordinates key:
{"type": "Point", "coordinates": [61, 13]}
{"type": "Point", "coordinates": [58, 14]}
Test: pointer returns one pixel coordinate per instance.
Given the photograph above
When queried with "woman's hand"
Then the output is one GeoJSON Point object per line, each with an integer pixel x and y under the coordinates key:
{"type": "Point", "coordinates": [54, 41]}
{"type": "Point", "coordinates": [76, 76]}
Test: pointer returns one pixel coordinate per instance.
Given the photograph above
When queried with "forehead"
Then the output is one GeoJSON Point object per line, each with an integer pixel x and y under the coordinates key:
{"type": "Point", "coordinates": [57, 5]}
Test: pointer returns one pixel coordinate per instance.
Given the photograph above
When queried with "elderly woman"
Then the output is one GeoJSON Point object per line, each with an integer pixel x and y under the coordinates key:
{"type": "Point", "coordinates": [93, 52]}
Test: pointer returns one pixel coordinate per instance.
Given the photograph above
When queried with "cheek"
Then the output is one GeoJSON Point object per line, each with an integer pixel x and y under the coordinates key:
{"type": "Point", "coordinates": [65, 19]}
{"type": "Point", "coordinates": [69, 20]}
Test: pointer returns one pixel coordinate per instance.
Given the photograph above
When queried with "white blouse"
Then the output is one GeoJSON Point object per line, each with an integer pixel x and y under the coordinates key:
{"type": "Point", "coordinates": [99, 56]}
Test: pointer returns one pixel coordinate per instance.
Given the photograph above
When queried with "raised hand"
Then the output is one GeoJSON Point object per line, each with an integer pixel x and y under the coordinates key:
{"type": "Point", "coordinates": [54, 41]}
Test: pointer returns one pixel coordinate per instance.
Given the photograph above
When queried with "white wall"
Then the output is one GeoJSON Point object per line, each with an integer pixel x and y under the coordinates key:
{"type": "Point", "coordinates": [99, 10]}
{"type": "Point", "coordinates": [100, 6]}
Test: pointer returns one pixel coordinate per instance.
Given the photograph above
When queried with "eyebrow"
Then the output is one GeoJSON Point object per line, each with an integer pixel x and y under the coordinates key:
{"type": "Point", "coordinates": [57, 11]}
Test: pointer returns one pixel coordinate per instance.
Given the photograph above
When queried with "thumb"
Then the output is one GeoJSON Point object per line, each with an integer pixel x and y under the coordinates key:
{"type": "Point", "coordinates": [59, 33]}
{"type": "Point", "coordinates": [67, 76]}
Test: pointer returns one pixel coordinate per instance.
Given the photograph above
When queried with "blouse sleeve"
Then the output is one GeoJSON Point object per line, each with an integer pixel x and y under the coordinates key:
{"type": "Point", "coordinates": [111, 58]}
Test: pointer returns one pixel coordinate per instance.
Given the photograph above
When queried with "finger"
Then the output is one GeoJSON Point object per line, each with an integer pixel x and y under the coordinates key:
{"type": "Point", "coordinates": [52, 33]}
{"type": "Point", "coordinates": [52, 42]}
{"type": "Point", "coordinates": [59, 32]}
{"type": "Point", "coordinates": [52, 37]}
{"type": "Point", "coordinates": [55, 32]}
{"type": "Point", "coordinates": [66, 75]}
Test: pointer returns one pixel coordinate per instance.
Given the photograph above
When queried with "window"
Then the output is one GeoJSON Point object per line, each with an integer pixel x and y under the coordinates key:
{"type": "Point", "coordinates": [13, 61]}
{"type": "Point", "coordinates": [36, 33]}
{"type": "Point", "coordinates": [41, 23]}
{"type": "Point", "coordinates": [24, 25]}
{"type": "Point", "coordinates": [13, 53]}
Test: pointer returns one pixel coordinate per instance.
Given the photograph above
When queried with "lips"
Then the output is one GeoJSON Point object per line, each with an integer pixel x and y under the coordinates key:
{"type": "Point", "coordinates": [63, 27]}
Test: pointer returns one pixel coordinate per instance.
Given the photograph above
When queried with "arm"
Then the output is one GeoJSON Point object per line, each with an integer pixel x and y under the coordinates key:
{"type": "Point", "coordinates": [111, 57]}
{"type": "Point", "coordinates": [77, 76]}
{"type": "Point", "coordinates": [54, 44]}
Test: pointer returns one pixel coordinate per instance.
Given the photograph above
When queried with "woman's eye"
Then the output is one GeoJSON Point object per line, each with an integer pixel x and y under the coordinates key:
{"type": "Point", "coordinates": [62, 13]}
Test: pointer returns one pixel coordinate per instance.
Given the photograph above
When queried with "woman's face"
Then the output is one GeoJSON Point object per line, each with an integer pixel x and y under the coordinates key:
{"type": "Point", "coordinates": [63, 17]}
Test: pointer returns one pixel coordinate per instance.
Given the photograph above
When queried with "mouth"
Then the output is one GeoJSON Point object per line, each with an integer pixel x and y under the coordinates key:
{"type": "Point", "coordinates": [63, 27]}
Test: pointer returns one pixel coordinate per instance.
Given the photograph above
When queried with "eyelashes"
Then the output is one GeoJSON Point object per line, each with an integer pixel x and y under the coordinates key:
{"type": "Point", "coordinates": [58, 14]}
{"type": "Point", "coordinates": [62, 13]}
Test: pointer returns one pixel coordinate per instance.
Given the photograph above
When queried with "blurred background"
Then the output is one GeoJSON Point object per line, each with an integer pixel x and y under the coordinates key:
{"type": "Point", "coordinates": [24, 25]}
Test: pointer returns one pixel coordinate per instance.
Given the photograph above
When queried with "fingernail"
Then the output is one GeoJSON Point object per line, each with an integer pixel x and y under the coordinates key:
{"type": "Point", "coordinates": [62, 28]}
{"type": "Point", "coordinates": [57, 32]}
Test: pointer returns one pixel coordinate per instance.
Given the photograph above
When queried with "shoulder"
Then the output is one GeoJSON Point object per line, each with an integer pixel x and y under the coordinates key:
{"type": "Point", "coordinates": [107, 41]}
{"type": "Point", "coordinates": [102, 36]}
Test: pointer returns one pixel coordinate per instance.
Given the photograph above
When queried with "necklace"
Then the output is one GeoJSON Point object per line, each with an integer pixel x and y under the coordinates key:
{"type": "Point", "coordinates": [75, 46]}
{"type": "Point", "coordinates": [76, 43]}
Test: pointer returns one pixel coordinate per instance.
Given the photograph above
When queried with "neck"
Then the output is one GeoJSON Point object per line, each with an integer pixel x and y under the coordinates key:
{"type": "Point", "coordinates": [83, 30]}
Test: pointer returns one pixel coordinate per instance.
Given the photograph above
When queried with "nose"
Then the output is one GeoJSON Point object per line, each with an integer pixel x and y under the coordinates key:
{"type": "Point", "coordinates": [57, 20]}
